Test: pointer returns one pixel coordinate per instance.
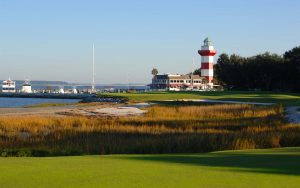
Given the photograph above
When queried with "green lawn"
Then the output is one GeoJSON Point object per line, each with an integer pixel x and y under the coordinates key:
{"type": "Point", "coordinates": [289, 99]}
{"type": "Point", "coordinates": [253, 168]}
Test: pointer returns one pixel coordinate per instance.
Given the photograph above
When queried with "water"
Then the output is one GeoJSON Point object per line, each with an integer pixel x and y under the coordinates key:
{"type": "Point", "coordinates": [6, 102]}
{"type": "Point", "coordinates": [43, 85]}
{"type": "Point", "coordinates": [83, 88]}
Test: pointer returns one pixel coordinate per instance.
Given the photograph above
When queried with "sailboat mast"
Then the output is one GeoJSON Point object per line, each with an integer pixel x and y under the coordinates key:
{"type": "Point", "coordinates": [93, 82]}
{"type": "Point", "coordinates": [193, 69]}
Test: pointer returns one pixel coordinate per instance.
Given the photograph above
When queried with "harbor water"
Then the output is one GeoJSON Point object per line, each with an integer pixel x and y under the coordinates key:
{"type": "Point", "coordinates": [9, 102]}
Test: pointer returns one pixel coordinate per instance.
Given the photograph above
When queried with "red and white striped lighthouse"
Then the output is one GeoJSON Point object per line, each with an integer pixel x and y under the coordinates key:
{"type": "Point", "coordinates": [207, 53]}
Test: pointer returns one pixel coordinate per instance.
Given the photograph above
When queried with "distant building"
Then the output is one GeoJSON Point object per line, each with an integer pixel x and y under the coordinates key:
{"type": "Point", "coordinates": [8, 86]}
{"type": "Point", "coordinates": [176, 82]}
{"type": "Point", "coordinates": [74, 90]}
{"type": "Point", "coordinates": [61, 90]}
{"type": "Point", "coordinates": [26, 88]}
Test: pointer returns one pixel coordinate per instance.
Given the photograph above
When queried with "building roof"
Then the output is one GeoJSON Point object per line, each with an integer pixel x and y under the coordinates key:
{"type": "Point", "coordinates": [195, 76]}
{"type": "Point", "coordinates": [178, 77]}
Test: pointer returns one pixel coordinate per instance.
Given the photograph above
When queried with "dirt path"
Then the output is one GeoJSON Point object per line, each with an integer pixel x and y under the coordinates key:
{"type": "Point", "coordinates": [293, 114]}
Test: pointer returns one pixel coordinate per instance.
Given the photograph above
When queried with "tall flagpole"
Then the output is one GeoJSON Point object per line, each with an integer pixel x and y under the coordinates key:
{"type": "Point", "coordinates": [93, 84]}
{"type": "Point", "coordinates": [193, 64]}
{"type": "Point", "coordinates": [193, 69]}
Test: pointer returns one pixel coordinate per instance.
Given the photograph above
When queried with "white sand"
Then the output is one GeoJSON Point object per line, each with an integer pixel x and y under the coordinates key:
{"type": "Point", "coordinates": [120, 111]}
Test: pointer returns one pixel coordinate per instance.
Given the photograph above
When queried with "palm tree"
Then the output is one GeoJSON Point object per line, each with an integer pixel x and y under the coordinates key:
{"type": "Point", "coordinates": [154, 72]}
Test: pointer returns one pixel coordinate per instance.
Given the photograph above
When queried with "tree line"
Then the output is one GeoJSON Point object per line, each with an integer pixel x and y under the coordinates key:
{"type": "Point", "coordinates": [268, 72]}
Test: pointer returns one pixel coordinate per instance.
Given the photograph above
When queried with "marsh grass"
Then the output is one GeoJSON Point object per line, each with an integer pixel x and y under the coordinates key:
{"type": "Point", "coordinates": [164, 129]}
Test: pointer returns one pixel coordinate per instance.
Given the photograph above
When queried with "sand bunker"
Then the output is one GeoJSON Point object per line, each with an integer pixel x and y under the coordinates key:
{"type": "Point", "coordinates": [109, 111]}
{"type": "Point", "coordinates": [120, 111]}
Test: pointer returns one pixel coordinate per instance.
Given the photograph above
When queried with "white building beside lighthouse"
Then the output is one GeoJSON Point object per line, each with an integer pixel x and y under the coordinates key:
{"type": "Point", "coordinates": [177, 82]}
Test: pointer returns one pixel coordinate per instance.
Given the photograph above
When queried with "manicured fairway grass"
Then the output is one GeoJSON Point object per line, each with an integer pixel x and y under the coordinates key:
{"type": "Point", "coordinates": [253, 168]}
{"type": "Point", "coordinates": [288, 99]}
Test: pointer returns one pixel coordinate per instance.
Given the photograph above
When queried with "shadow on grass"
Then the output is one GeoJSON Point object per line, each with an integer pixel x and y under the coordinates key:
{"type": "Point", "coordinates": [229, 93]}
{"type": "Point", "coordinates": [286, 162]}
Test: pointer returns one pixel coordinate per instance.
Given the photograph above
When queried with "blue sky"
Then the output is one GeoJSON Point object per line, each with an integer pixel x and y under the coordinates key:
{"type": "Point", "coordinates": [52, 39]}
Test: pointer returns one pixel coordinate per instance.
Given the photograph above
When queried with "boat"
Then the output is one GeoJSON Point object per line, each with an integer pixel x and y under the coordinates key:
{"type": "Point", "coordinates": [26, 88]}
{"type": "Point", "coordinates": [61, 90]}
{"type": "Point", "coordinates": [8, 86]}
{"type": "Point", "coordinates": [74, 90]}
